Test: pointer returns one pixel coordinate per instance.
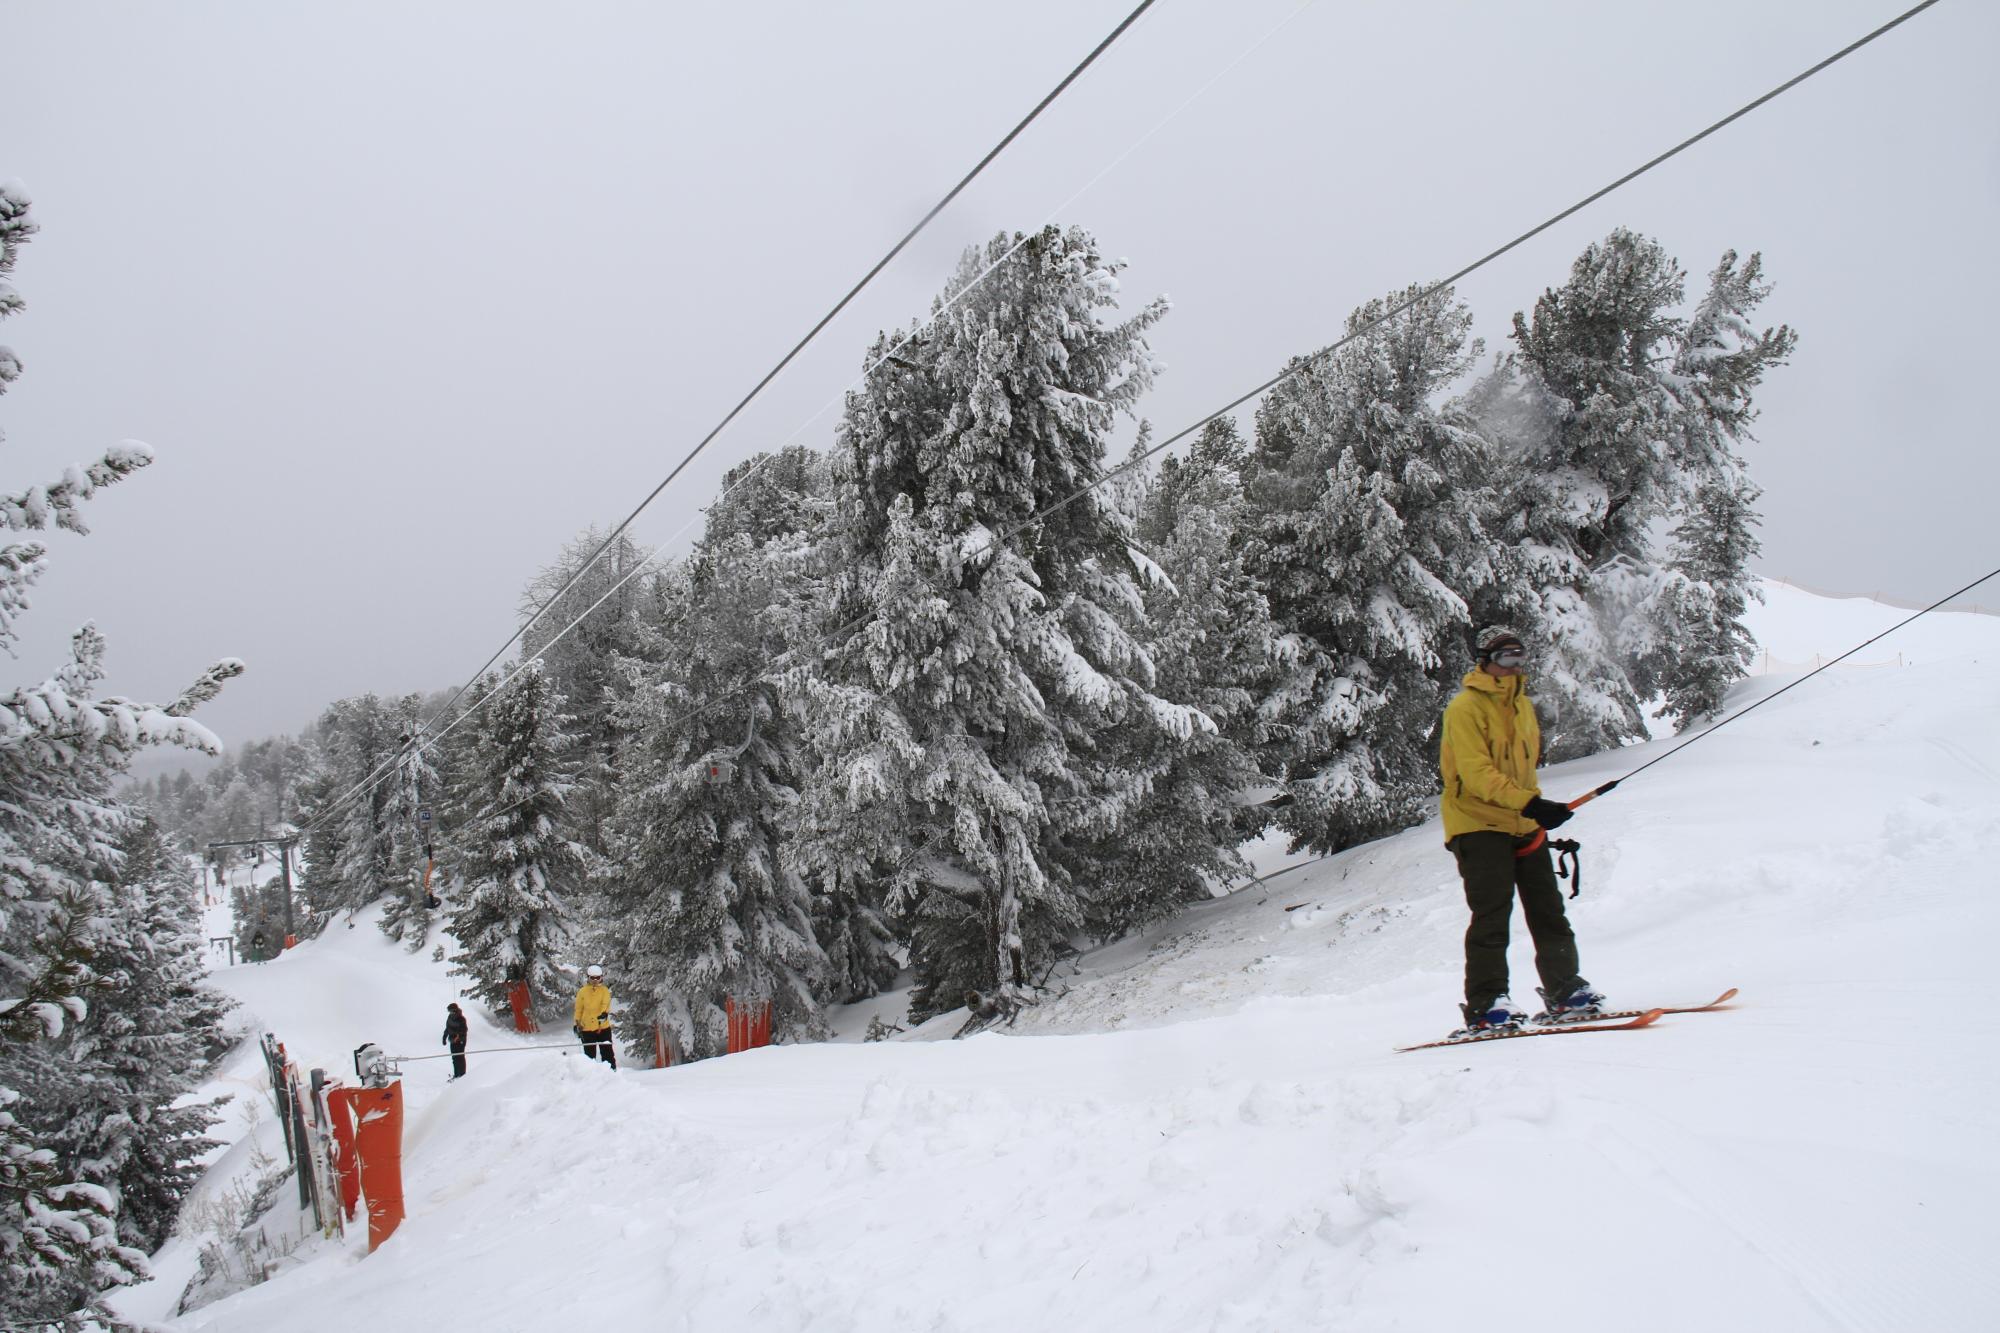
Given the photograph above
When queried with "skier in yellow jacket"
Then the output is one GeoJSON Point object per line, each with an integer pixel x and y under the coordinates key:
{"type": "Point", "coordinates": [593, 1017]}
{"type": "Point", "coordinates": [1494, 817]}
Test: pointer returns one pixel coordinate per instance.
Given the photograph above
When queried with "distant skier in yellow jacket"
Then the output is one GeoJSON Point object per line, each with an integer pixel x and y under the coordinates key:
{"type": "Point", "coordinates": [1494, 817]}
{"type": "Point", "coordinates": [593, 1017]}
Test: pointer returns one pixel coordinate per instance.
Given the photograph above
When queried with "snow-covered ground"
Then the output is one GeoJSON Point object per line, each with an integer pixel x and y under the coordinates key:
{"type": "Point", "coordinates": [1209, 1129]}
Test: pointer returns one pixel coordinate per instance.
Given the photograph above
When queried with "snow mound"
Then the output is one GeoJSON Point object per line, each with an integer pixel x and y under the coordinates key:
{"type": "Point", "coordinates": [1208, 1128]}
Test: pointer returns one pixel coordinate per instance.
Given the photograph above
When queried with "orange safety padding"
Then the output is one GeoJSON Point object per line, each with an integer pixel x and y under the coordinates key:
{"type": "Point", "coordinates": [291, 941]}
{"type": "Point", "coordinates": [663, 1054]}
{"type": "Point", "coordinates": [340, 1105]}
{"type": "Point", "coordinates": [517, 1000]}
{"type": "Point", "coordinates": [749, 1027]}
{"type": "Point", "coordinates": [378, 1133]}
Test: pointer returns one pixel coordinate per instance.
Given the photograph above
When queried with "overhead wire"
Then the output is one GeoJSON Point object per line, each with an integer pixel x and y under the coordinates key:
{"type": "Point", "coordinates": [1477, 264]}
{"type": "Point", "coordinates": [824, 320]}
{"type": "Point", "coordinates": [484, 1050]}
{"type": "Point", "coordinates": [645, 562]}
{"type": "Point", "coordinates": [786, 660]}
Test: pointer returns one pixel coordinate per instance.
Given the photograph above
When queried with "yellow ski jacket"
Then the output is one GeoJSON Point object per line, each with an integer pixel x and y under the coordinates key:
{"type": "Point", "coordinates": [1487, 755]}
{"type": "Point", "coordinates": [593, 1007]}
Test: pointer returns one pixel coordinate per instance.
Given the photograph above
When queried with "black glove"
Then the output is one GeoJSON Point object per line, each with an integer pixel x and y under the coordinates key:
{"type": "Point", "coordinates": [577, 1028]}
{"type": "Point", "coordinates": [1549, 814]}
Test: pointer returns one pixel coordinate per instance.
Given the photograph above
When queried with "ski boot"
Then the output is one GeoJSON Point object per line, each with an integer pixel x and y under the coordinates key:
{"type": "Point", "coordinates": [1583, 1003]}
{"type": "Point", "coordinates": [1499, 1015]}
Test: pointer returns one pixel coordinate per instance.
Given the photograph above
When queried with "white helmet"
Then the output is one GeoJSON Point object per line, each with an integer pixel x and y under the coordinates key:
{"type": "Point", "coordinates": [594, 972]}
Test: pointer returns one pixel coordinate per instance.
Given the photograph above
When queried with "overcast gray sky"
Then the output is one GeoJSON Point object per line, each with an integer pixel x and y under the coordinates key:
{"type": "Point", "coordinates": [406, 295]}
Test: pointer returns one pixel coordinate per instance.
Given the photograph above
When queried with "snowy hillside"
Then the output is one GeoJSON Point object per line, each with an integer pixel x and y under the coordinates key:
{"type": "Point", "coordinates": [1209, 1129]}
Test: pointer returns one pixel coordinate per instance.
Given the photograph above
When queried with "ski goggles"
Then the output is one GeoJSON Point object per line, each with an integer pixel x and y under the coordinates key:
{"type": "Point", "coordinates": [1510, 655]}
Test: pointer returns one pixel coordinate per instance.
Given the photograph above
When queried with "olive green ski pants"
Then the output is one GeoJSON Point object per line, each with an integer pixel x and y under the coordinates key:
{"type": "Point", "coordinates": [1491, 871]}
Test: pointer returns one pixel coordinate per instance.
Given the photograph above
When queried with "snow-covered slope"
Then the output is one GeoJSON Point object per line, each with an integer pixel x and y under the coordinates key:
{"type": "Point", "coordinates": [1208, 1129]}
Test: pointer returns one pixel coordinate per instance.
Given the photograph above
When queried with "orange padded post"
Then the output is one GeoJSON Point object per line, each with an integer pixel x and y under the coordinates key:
{"type": "Point", "coordinates": [378, 1133]}
{"type": "Point", "coordinates": [517, 1000]}
{"type": "Point", "coordinates": [749, 1026]}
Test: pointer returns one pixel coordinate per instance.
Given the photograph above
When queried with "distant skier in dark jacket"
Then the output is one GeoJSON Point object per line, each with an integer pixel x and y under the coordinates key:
{"type": "Point", "coordinates": [454, 1037]}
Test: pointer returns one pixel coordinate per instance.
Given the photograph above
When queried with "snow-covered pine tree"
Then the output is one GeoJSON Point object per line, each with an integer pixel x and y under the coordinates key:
{"type": "Point", "coordinates": [409, 822]}
{"type": "Point", "coordinates": [1364, 487]}
{"type": "Point", "coordinates": [1612, 415]}
{"type": "Point", "coordinates": [783, 504]}
{"type": "Point", "coordinates": [190, 800]}
{"type": "Point", "coordinates": [781, 497]}
{"type": "Point", "coordinates": [700, 904]}
{"type": "Point", "coordinates": [259, 915]}
{"type": "Point", "coordinates": [1721, 360]}
{"type": "Point", "coordinates": [234, 816]}
{"type": "Point", "coordinates": [974, 668]}
{"type": "Point", "coordinates": [1589, 437]}
{"type": "Point", "coordinates": [1698, 644]}
{"type": "Point", "coordinates": [460, 762]}
{"type": "Point", "coordinates": [1709, 589]}
{"type": "Point", "coordinates": [1208, 630]}
{"type": "Point", "coordinates": [521, 872]}
{"type": "Point", "coordinates": [108, 1088]}
{"type": "Point", "coordinates": [365, 750]}
{"type": "Point", "coordinates": [320, 885]}
{"type": "Point", "coordinates": [1214, 459]}
{"type": "Point", "coordinates": [612, 604]}
{"type": "Point", "coordinates": [60, 750]}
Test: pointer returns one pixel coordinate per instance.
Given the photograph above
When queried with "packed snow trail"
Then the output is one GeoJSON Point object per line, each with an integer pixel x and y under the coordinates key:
{"type": "Point", "coordinates": [1209, 1129]}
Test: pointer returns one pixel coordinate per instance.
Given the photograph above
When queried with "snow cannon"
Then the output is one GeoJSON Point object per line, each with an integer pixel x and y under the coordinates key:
{"type": "Point", "coordinates": [377, 1110]}
{"type": "Point", "coordinates": [371, 1066]}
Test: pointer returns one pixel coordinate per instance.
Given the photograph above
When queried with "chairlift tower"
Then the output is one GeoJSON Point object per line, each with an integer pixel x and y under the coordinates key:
{"type": "Point", "coordinates": [284, 844]}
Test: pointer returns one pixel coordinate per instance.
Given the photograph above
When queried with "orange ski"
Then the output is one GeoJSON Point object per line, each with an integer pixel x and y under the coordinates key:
{"type": "Point", "coordinates": [1717, 1003]}
{"type": "Point", "coordinates": [1646, 1019]}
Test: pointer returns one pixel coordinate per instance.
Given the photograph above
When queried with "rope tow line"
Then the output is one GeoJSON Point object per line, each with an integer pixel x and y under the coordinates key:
{"type": "Point", "coordinates": [1596, 792]}
{"type": "Point", "coordinates": [484, 1050]}
{"type": "Point", "coordinates": [1569, 859]}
